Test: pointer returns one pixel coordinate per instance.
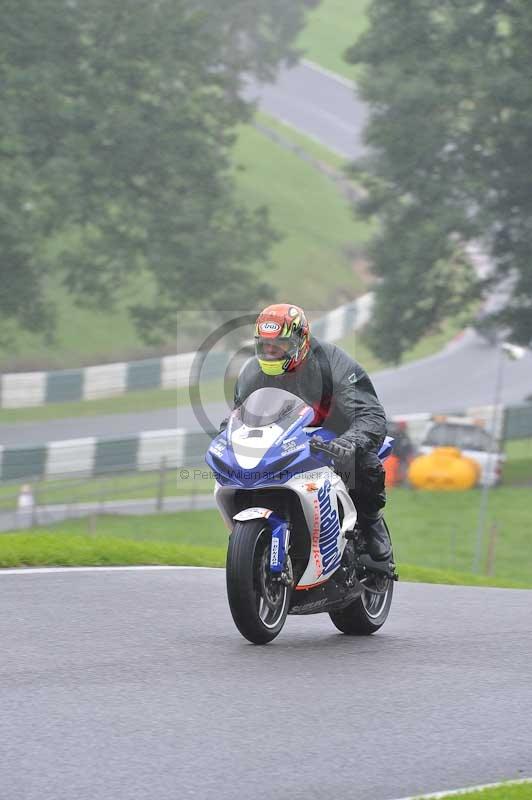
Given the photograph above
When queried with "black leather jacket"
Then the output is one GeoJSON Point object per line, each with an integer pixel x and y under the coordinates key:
{"type": "Point", "coordinates": [335, 385]}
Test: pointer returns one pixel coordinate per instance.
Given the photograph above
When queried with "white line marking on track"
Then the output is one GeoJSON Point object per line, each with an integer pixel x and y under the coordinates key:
{"type": "Point", "coordinates": [51, 570]}
{"type": "Point", "coordinates": [466, 790]}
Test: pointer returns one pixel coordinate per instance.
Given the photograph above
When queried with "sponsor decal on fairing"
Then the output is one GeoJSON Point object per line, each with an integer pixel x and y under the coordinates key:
{"type": "Point", "coordinates": [329, 530]}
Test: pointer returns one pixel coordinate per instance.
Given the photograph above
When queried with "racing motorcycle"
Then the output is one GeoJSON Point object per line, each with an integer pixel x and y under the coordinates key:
{"type": "Point", "coordinates": [294, 545]}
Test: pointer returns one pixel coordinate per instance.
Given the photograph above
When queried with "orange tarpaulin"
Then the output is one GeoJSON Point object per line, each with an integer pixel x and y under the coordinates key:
{"type": "Point", "coordinates": [392, 470]}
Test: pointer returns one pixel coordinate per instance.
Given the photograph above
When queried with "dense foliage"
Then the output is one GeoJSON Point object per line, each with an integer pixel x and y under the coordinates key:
{"type": "Point", "coordinates": [116, 126]}
{"type": "Point", "coordinates": [450, 90]}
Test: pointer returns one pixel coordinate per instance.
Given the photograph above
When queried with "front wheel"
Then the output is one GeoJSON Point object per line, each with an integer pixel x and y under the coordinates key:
{"type": "Point", "coordinates": [258, 600]}
{"type": "Point", "coordinates": [367, 613]}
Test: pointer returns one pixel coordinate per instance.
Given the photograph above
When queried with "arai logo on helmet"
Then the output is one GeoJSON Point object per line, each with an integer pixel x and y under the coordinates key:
{"type": "Point", "coordinates": [269, 327]}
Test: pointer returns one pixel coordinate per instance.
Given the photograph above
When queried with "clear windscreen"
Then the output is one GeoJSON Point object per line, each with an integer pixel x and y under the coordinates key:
{"type": "Point", "coordinates": [270, 406]}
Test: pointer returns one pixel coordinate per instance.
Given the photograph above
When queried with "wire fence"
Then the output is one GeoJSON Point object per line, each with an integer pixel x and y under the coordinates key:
{"type": "Point", "coordinates": [41, 502]}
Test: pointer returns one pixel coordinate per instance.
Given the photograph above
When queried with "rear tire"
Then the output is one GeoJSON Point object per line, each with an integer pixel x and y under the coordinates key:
{"type": "Point", "coordinates": [259, 604]}
{"type": "Point", "coordinates": [367, 613]}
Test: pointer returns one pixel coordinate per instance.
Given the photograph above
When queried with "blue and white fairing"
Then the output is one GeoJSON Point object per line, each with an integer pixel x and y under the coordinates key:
{"type": "Point", "coordinates": [266, 444]}
{"type": "Point", "coordinates": [262, 447]}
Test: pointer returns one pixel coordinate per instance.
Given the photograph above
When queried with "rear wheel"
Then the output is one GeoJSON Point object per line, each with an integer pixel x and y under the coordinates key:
{"type": "Point", "coordinates": [369, 612]}
{"type": "Point", "coordinates": [258, 600]}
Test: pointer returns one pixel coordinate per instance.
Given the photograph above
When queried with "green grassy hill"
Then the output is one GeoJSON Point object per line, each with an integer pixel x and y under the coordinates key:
{"type": "Point", "coordinates": [333, 27]}
{"type": "Point", "coordinates": [319, 237]}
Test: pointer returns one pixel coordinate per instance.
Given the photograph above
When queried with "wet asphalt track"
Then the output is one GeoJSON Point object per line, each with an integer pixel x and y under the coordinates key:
{"type": "Point", "coordinates": [121, 685]}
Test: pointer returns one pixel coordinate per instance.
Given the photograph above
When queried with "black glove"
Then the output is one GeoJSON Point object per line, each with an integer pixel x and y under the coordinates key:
{"type": "Point", "coordinates": [342, 450]}
{"type": "Point", "coordinates": [223, 425]}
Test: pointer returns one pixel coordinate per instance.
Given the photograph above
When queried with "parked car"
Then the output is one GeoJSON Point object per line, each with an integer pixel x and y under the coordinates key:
{"type": "Point", "coordinates": [472, 439]}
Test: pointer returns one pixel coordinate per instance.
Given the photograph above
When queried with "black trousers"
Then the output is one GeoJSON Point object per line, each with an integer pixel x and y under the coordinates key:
{"type": "Point", "coordinates": [366, 483]}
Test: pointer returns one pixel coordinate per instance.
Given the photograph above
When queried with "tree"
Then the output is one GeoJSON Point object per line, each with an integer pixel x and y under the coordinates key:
{"type": "Point", "coordinates": [256, 35]}
{"type": "Point", "coordinates": [450, 131]}
{"type": "Point", "coordinates": [117, 122]}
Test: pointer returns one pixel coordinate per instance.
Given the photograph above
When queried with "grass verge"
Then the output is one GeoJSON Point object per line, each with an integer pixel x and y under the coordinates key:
{"type": "Point", "coordinates": [518, 466]}
{"type": "Point", "coordinates": [64, 549]}
{"type": "Point", "coordinates": [185, 481]}
{"type": "Point", "coordinates": [331, 28]}
{"type": "Point", "coordinates": [130, 403]}
{"type": "Point", "coordinates": [316, 224]}
{"type": "Point", "coordinates": [48, 549]}
{"type": "Point", "coordinates": [310, 146]}
{"type": "Point", "coordinates": [434, 534]}
{"type": "Point", "coordinates": [356, 345]}
{"type": "Point", "coordinates": [505, 791]}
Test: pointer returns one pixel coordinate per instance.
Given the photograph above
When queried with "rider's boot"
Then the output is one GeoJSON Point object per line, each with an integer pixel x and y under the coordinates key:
{"type": "Point", "coordinates": [375, 535]}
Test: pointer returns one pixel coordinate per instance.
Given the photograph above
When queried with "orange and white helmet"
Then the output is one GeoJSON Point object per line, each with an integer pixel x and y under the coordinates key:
{"type": "Point", "coordinates": [282, 338]}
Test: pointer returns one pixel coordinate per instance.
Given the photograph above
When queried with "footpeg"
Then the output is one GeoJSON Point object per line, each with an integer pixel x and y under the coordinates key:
{"type": "Point", "coordinates": [384, 567]}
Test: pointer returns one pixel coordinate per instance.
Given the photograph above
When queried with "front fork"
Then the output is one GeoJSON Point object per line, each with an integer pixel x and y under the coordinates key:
{"type": "Point", "coordinates": [280, 561]}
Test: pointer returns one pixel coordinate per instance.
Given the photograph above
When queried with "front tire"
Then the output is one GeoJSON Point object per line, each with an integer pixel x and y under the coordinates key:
{"type": "Point", "coordinates": [259, 603]}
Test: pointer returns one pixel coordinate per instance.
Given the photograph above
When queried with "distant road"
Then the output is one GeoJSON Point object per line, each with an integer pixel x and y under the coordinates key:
{"type": "Point", "coordinates": [319, 105]}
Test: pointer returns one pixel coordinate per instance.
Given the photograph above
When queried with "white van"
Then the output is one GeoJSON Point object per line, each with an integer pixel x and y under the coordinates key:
{"type": "Point", "coordinates": [472, 439]}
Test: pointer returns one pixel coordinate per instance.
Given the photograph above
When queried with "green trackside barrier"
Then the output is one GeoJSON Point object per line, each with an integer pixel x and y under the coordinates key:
{"type": "Point", "coordinates": [22, 463]}
{"type": "Point", "coordinates": [64, 387]}
{"type": "Point", "coordinates": [518, 422]}
{"type": "Point", "coordinates": [196, 445]}
{"type": "Point", "coordinates": [112, 455]}
{"type": "Point", "coordinates": [143, 374]}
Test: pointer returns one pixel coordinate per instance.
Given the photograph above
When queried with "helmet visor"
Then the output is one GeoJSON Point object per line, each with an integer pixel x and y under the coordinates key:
{"type": "Point", "coordinates": [276, 349]}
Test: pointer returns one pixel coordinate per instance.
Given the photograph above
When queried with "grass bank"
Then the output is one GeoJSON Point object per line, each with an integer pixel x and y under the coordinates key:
{"type": "Point", "coordinates": [297, 140]}
{"type": "Point", "coordinates": [317, 224]}
{"type": "Point", "coordinates": [518, 466]}
{"type": "Point", "coordinates": [314, 221]}
{"type": "Point", "coordinates": [47, 549]}
{"type": "Point", "coordinates": [136, 486]}
{"type": "Point", "coordinates": [434, 535]}
{"type": "Point", "coordinates": [129, 403]}
{"type": "Point", "coordinates": [332, 27]}
{"type": "Point", "coordinates": [504, 791]}
{"type": "Point", "coordinates": [356, 344]}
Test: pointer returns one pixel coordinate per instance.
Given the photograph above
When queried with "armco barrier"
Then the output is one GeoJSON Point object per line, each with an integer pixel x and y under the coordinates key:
{"type": "Point", "coordinates": [21, 390]}
{"type": "Point", "coordinates": [172, 448]}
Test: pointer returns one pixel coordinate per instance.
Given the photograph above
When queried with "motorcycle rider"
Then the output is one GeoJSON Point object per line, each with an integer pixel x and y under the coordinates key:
{"type": "Point", "coordinates": [342, 396]}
